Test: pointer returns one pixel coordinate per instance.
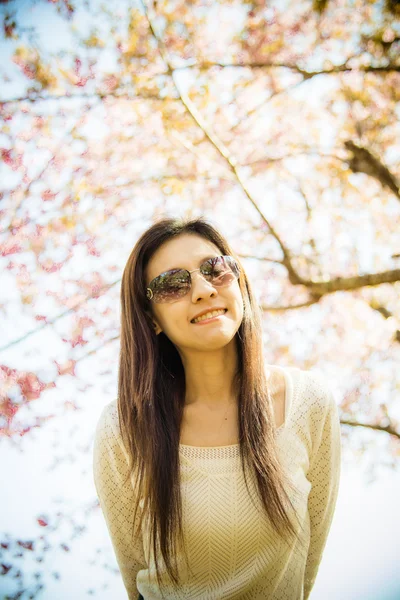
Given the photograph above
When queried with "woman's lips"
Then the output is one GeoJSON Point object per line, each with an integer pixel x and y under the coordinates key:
{"type": "Point", "coordinates": [205, 321]}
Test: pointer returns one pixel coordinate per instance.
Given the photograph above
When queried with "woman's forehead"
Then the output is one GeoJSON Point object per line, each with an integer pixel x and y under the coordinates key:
{"type": "Point", "coordinates": [181, 254]}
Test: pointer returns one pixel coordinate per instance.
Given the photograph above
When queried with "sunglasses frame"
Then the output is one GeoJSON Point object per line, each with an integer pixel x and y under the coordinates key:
{"type": "Point", "coordinates": [150, 291]}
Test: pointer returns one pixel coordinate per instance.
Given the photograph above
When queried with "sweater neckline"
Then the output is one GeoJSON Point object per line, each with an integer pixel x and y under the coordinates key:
{"type": "Point", "coordinates": [234, 448]}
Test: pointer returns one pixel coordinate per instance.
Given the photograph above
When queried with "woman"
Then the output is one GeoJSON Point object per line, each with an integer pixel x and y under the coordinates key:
{"type": "Point", "coordinates": [206, 443]}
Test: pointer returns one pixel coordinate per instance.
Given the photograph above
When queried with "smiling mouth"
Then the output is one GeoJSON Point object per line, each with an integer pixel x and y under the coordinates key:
{"type": "Point", "coordinates": [209, 318]}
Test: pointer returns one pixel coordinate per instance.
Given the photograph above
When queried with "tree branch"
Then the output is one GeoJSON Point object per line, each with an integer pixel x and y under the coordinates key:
{"type": "Point", "coordinates": [206, 65]}
{"type": "Point", "coordinates": [95, 95]}
{"type": "Point", "coordinates": [388, 429]}
{"type": "Point", "coordinates": [341, 284]}
{"type": "Point", "coordinates": [59, 316]}
{"type": "Point", "coordinates": [363, 161]}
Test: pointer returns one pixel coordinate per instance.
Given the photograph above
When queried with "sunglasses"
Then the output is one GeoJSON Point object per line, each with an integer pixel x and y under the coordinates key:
{"type": "Point", "coordinates": [220, 271]}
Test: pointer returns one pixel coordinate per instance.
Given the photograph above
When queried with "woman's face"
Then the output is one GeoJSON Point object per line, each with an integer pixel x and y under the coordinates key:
{"type": "Point", "coordinates": [188, 251]}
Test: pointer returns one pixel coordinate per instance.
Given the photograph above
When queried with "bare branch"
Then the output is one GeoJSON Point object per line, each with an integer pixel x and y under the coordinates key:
{"type": "Point", "coordinates": [95, 96]}
{"type": "Point", "coordinates": [263, 258]}
{"type": "Point", "coordinates": [388, 429]}
{"type": "Point", "coordinates": [381, 310]}
{"type": "Point", "coordinates": [307, 152]}
{"type": "Point", "coordinates": [340, 284]}
{"type": "Point", "coordinates": [206, 65]}
{"type": "Point", "coordinates": [264, 103]}
{"type": "Point", "coordinates": [314, 300]}
{"type": "Point", "coordinates": [363, 161]}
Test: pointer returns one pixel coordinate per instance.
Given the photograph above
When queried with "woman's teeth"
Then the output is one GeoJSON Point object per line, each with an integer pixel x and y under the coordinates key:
{"type": "Point", "coordinates": [209, 315]}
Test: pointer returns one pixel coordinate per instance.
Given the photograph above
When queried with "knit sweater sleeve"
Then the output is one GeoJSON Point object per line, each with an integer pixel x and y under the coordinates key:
{"type": "Point", "coordinates": [116, 498]}
{"type": "Point", "coordinates": [323, 474]}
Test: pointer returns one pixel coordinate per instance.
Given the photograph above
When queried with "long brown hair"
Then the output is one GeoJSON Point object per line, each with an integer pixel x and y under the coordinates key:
{"type": "Point", "coordinates": [151, 397]}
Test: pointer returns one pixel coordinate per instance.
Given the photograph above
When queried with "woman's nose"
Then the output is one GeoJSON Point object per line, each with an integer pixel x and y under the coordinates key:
{"type": "Point", "coordinates": [200, 283]}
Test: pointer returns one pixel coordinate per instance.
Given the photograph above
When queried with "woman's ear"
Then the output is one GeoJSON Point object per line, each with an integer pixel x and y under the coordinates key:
{"type": "Point", "coordinates": [154, 323]}
{"type": "Point", "coordinates": [157, 328]}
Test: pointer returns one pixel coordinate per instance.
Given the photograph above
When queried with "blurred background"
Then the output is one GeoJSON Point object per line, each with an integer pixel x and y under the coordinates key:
{"type": "Point", "coordinates": [278, 121]}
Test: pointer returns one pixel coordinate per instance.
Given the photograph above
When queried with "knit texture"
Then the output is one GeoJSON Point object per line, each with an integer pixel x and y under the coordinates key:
{"type": "Point", "coordinates": [233, 550]}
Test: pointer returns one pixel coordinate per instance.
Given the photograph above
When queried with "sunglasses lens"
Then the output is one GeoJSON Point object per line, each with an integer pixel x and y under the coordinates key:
{"type": "Point", "coordinates": [222, 271]}
{"type": "Point", "coordinates": [171, 286]}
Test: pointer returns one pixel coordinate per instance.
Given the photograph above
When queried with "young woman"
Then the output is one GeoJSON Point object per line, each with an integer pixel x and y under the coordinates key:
{"type": "Point", "coordinates": [207, 444]}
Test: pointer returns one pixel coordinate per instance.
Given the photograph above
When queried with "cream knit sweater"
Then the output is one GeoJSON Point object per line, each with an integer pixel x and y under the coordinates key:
{"type": "Point", "coordinates": [233, 551]}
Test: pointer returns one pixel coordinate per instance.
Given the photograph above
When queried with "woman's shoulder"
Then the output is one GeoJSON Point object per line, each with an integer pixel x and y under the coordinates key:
{"type": "Point", "coordinates": [108, 433]}
{"type": "Point", "coordinates": [315, 393]}
{"type": "Point", "coordinates": [107, 422]}
{"type": "Point", "coordinates": [308, 386]}
{"type": "Point", "coordinates": [278, 376]}
{"type": "Point", "coordinates": [109, 413]}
